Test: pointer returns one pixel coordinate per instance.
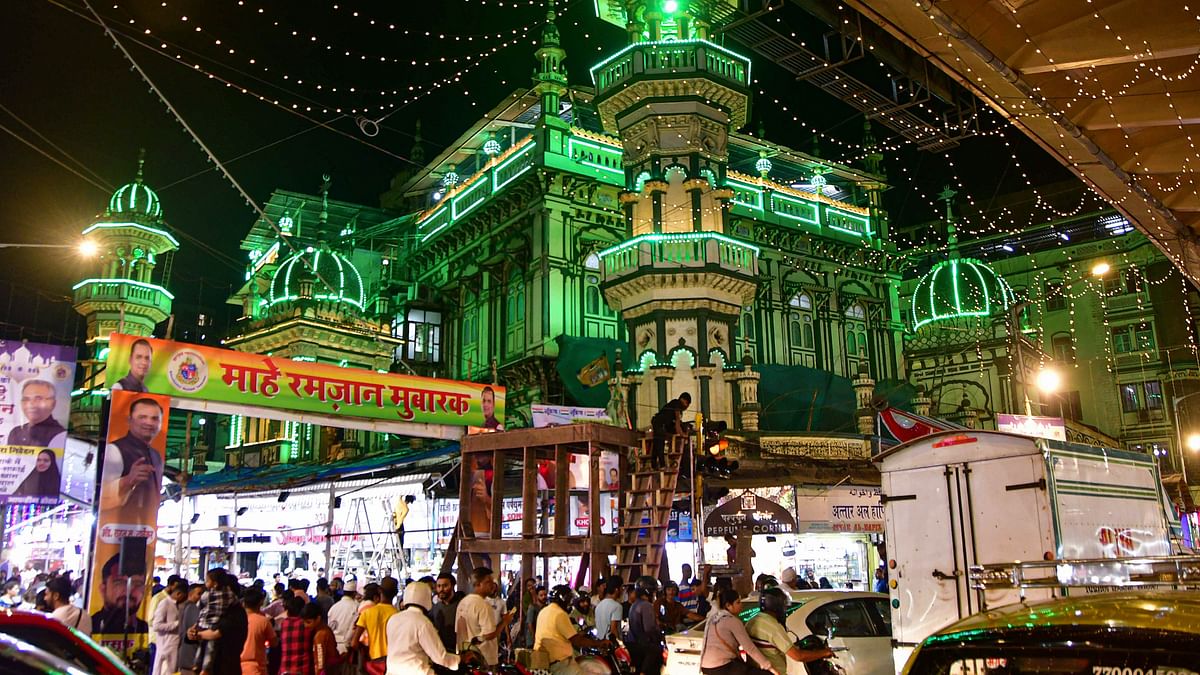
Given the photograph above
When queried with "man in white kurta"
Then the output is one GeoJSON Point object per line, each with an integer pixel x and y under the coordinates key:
{"type": "Point", "coordinates": [413, 642]}
{"type": "Point", "coordinates": [165, 624]}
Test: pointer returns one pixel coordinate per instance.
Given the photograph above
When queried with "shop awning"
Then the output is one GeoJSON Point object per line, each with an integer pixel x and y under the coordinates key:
{"type": "Point", "coordinates": [285, 476]}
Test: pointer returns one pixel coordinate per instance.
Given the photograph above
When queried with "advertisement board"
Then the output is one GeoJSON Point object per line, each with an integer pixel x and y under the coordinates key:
{"type": "Point", "coordinates": [184, 370]}
{"type": "Point", "coordinates": [556, 415]}
{"type": "Point", "coordinates": [35, 405]}
{"type": "Point", "coordinates": [131, 481]}
{"type": "Point", "coordinates": [1052, 428]}
{"type": "Point", "coordinates": [748, 513]}
{"type": "Point", "coordinates": [839, 509]}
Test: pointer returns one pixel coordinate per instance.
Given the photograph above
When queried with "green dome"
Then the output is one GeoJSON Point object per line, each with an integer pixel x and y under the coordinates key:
{"type": "Point", "coordinates": [336, 278]}
{"type": "Point", "coordinates": [958, 288]}
{"type": "Point", "coordinates": [136, 199]}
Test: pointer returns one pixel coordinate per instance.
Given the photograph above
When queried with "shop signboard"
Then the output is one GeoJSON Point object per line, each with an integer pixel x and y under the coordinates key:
{"type": "Point", "coordinates": [1051, 428]}
{"type": "Point", "coordinates": [748, 513]}
{"type": "Point", "coordinates": [817, 447]}
{"type": "Point", "coordinates": [205, 373]}
{"type": "Point", "coordinates": [556, 415]}
{"type": "Point", "coordinates": [856, 510]}
{"type": "Point", "coordinates": [126, 527]}
{"type": "Point", "coordinates": [35, 404]}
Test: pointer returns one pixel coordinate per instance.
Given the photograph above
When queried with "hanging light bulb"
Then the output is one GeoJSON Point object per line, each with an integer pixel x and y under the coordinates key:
{"type": "Point", "coordinates": [491, 147]}
{"type": "Point", "coordinates": [450, 179]}
{"type": "Point", "coordinates": [763, 165]}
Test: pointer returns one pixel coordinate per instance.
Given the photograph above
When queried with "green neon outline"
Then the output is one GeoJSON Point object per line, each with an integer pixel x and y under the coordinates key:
{"type": "Point", "coordinates": [130, 282]}
{"type": "Point", "coordinates": [514, 157]}
{"type": "Point", "coordinates": [572, 141]}
{"type": "Point", "coordinates": [138, 226]}
{"type": "Point", "coordinates": [461, 196]}
{"type": "Point", "coordinates": [987, 302]}
{"type": "Point", "coordinates": [656, 43]}
{"type": "Point", "coordinates": [800, 202]}
{"type": "Point", "coordinates": [749, 186]}
{"type": "Point", "coordinates": [675, 236]}
{"type": "Point", "coordinates": [866, 222]}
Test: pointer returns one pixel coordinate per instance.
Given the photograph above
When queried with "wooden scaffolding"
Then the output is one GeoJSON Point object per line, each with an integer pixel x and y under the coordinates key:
{"type": "Point", "coordinates": [516, 454]}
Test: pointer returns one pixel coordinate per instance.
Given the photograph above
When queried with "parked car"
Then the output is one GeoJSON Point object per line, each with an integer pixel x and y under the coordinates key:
{"type": "Point", "coordinates": [1139, 632]}
{"type": "Point", "coordinates": [63, 642]}
{"type": "Point", "coordinates": [18, 657]}
{"type": "Point", "coordinates": [861, 622]}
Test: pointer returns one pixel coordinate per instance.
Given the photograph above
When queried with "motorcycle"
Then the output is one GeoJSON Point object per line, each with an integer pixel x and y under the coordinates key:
{"type": "Point", "coordinates": [612, 661]}
{"type": "Point", "coordinates": [826, 666]}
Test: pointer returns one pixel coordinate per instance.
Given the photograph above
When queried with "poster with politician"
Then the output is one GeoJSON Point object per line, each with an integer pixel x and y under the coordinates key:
{"type": "Point", "coordinates": [131, 483]}
{"type": "Point", "coordinates": [35, 404]}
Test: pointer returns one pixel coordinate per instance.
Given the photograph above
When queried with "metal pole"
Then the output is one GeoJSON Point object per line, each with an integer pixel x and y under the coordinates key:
{"type": "Point", "coordinates": [184, 472]}
{"type": "Point", "coordinates": [329, 532]}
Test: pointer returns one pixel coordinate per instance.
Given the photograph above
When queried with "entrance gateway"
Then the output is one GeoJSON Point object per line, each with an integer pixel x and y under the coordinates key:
{"type": "Point", "coordinates": [150, 377]}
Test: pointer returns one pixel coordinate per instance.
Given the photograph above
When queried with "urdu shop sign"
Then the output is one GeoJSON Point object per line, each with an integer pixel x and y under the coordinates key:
{"type": "Point", "coordinates": [188, 371]}
{"type": "Point", "coordinates": [748, 514]}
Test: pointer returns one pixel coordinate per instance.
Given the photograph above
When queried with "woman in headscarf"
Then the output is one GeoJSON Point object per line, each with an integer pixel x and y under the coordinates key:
{"type": "Point", "coordinates": [45, 480]}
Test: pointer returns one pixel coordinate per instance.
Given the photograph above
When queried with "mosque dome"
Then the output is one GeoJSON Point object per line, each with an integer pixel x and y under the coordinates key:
{"type": "Point", "coordinates": [136, 198]}
{"type": "Point", "coordinates": [959, 288]}
{"type": "Point", "coordinates": [335, 279]}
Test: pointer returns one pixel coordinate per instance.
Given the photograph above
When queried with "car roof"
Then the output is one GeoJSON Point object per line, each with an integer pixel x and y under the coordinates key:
{"type": "Point", "coordinates": [25, 617]}
{"type": "Point", "coordinates": [1142, 609]}
{"type": "Point", "coordinates": [808, 595]}
{"type": "Point", "coordinates": [18, 650]}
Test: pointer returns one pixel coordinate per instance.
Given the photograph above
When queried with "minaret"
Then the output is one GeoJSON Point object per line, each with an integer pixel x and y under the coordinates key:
{"type": "Point", "coordinates": [873, 163]}
{"type": "Point", "coordinates": [125, 292]}
{"type": "Point", "coordinates": [550, 79]}
{"type": "Point", "coordinates": [679, 279]}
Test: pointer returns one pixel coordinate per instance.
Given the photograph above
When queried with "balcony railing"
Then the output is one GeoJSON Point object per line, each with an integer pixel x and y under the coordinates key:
{"type": "Point", "coordinates": [674, 58]}
{"type": "Point", "coordinates": [680, 251]}
{"type": "Point", "coordinates": [124, 290]}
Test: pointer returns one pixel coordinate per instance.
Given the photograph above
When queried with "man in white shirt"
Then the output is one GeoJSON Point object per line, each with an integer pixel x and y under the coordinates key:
{"type": "Point", "coordinates": [609, 611]}
{"type": "Point", "coordinates": [58, 596]}
{"type": "Point", "coordinates": [413, 642]}
{"type": "Point", "coordinates": [343, 615]}
{"type": "Point", "coordinates": [475, 621]}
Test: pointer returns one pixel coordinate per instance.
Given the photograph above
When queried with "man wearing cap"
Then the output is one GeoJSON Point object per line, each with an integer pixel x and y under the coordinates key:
{"type": "Point", "coordinates": [413, 643]}
{"type": "Point", "coordinates": [343, 615]}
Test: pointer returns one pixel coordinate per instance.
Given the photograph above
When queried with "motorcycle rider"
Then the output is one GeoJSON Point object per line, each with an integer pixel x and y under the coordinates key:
{"type": "Point", "coordinates": [413, 643]}
{"type": "Point", "coordinates": [768, 633]}
{"type": "Point", "coordinates": [556, 635]}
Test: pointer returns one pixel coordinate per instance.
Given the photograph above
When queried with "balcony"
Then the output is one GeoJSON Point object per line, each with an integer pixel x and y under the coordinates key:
{"type": "Point", "coordinates": [683, 251]}
{"type": "Point", "coordinates": [135, 297]}
{"type": "Point", "coordinates": [672, 59]}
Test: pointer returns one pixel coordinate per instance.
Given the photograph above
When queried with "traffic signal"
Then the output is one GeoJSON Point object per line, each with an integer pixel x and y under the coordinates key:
{"type": "Point", "coordinates": [711, 460]}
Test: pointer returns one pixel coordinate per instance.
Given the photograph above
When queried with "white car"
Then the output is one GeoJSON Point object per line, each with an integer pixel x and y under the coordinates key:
{"type": "Point", "coordinates": [862, 625]}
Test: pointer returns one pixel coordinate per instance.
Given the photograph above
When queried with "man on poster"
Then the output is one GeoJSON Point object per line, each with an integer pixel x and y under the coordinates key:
{"type": "Point", "coordinates": [119, 613]}
{"type": "Point", "coordinates": [40, 429]}
{"type": "Point", "coordinates": [133, 474]}
{"type": "Point", "coordinates": [487, 401]}
{"type": "Point", "coordinates": [141, 356]}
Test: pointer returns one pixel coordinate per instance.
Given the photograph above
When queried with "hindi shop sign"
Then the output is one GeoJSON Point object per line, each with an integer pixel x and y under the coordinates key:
{"type": "Point", "coordinates": [839, 509]}
{"type": "Point", "coordinates": [197, 372]}
{"type": "Point", "coordinates": [748, 514]}
{"type": "Point", "coordinates": [1051, 428]}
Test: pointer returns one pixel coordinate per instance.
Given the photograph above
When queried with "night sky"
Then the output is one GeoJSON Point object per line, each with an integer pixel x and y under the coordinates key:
{"type": "Point", "coordinates": [66, 90]}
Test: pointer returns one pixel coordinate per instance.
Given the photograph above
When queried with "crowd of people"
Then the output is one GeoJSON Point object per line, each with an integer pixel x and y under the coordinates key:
{"type": "Point", "coordinates": [429, 626]}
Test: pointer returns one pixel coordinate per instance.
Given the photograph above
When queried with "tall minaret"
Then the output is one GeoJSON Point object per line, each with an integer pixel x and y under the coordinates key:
{"type": "Point", "coordinates": [550, 78]}
{"type": "Point", "coordinates": [125, 293]}
{"type": "Point", "coordinates": [680, 279]}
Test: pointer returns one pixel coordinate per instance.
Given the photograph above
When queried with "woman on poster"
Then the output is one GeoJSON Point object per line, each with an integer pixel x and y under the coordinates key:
{"type": "Point", "coordinates": [44, 481]}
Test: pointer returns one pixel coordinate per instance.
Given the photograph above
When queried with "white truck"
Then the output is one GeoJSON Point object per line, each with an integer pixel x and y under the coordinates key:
{"type": "Point", "coordinates": [961, 498]}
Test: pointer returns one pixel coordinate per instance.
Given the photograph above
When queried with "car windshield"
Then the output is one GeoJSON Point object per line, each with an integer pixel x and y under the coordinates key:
{"type": "Point", "coordinates": [1066, 650]}
{"type": "Point", "coordinates": [752, 612]}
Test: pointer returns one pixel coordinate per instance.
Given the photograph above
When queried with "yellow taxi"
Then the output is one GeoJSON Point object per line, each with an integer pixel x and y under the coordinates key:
{"type": "Point", "coordinates": [1132, 632]}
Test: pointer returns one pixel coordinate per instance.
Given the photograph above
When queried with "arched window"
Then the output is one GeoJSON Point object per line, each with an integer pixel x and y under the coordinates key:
{"type": "Point", "coordinates": [801, 301]}
{"type": "Point", "coordinates": [748, 325]}
{"type": "Point", "coordinates": [592, 303]}
{"type": "Point", "coordinates": [795, 332]}
{"type": "Point", "coordinates": [802, 344]}
{"type": "Point", "coordinates": [856, 311]}
{"type": "Point", "coordinates": [856, 336]}
{"type": "Point", "coordinates": [592, 261]}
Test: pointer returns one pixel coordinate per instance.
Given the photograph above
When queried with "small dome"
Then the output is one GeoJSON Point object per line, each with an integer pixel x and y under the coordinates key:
{"type": "Point", "coordinates": [959, 288]}
{"type": "Point", "coordinates": [136, 198]}
{"type": "Point", "coordinates": [336, 278]}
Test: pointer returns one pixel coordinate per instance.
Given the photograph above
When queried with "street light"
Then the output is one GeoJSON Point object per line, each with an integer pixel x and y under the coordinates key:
{"type": "Point", "coordinates": [1048, 380]}
{"type": "Point", "coordinates": [86, 247]}
{"type": "Point", "coordinates": [1193, 442]}
{"type": "Point", "coordinates": [1100, 269]}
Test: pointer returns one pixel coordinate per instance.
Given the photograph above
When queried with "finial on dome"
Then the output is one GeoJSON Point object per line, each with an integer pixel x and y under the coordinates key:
{"type": "Point", "coordinates": [141, 162]}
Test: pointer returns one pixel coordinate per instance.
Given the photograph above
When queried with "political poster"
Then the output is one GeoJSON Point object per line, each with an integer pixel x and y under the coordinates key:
{"type": "Point", "coordinates": [35, 406]}
{"type": "Point", "coordinates": [131, 482]}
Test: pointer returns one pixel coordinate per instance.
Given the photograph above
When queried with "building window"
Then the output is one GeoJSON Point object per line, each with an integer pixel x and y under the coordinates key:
{"type": "Point", "coordinates": [1066, 405]}
{"type": "Point", "coordinates": [1056, 297]}
{"type": "Point", "coordinates": [514, 316]}
{"type": "Point", "coordinates": [802, 343]}
{"type": "Point", "coordinates": [592, 304]}
{"type": "Point", "coordinates": [1137, 396]}
{"type": "Point", "coordinates": [856, 331]}
{"type": "Point", "coordinates": [470, 334]}
{"type": "Point", "coordinates": [802, 301]}
{"type": "Point", "coordinates": [1134, 337]}
{"type": "Point", "coordinates": [1063, 347]}
{"type": "Point", "coordinates": [424, 335]}
{"type": "Point", "coordinates": [856, 311]}
{"type": "Point", "coordinates": [748, 325]}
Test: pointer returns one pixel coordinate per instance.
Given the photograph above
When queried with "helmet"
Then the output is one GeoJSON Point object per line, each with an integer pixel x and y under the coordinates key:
{"type": "Point", "coordinates": [646, 584]}
{"type": "Point", "coordinates": [562, 595]}
{"type": "Point", "coordinates": [773, 601]}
